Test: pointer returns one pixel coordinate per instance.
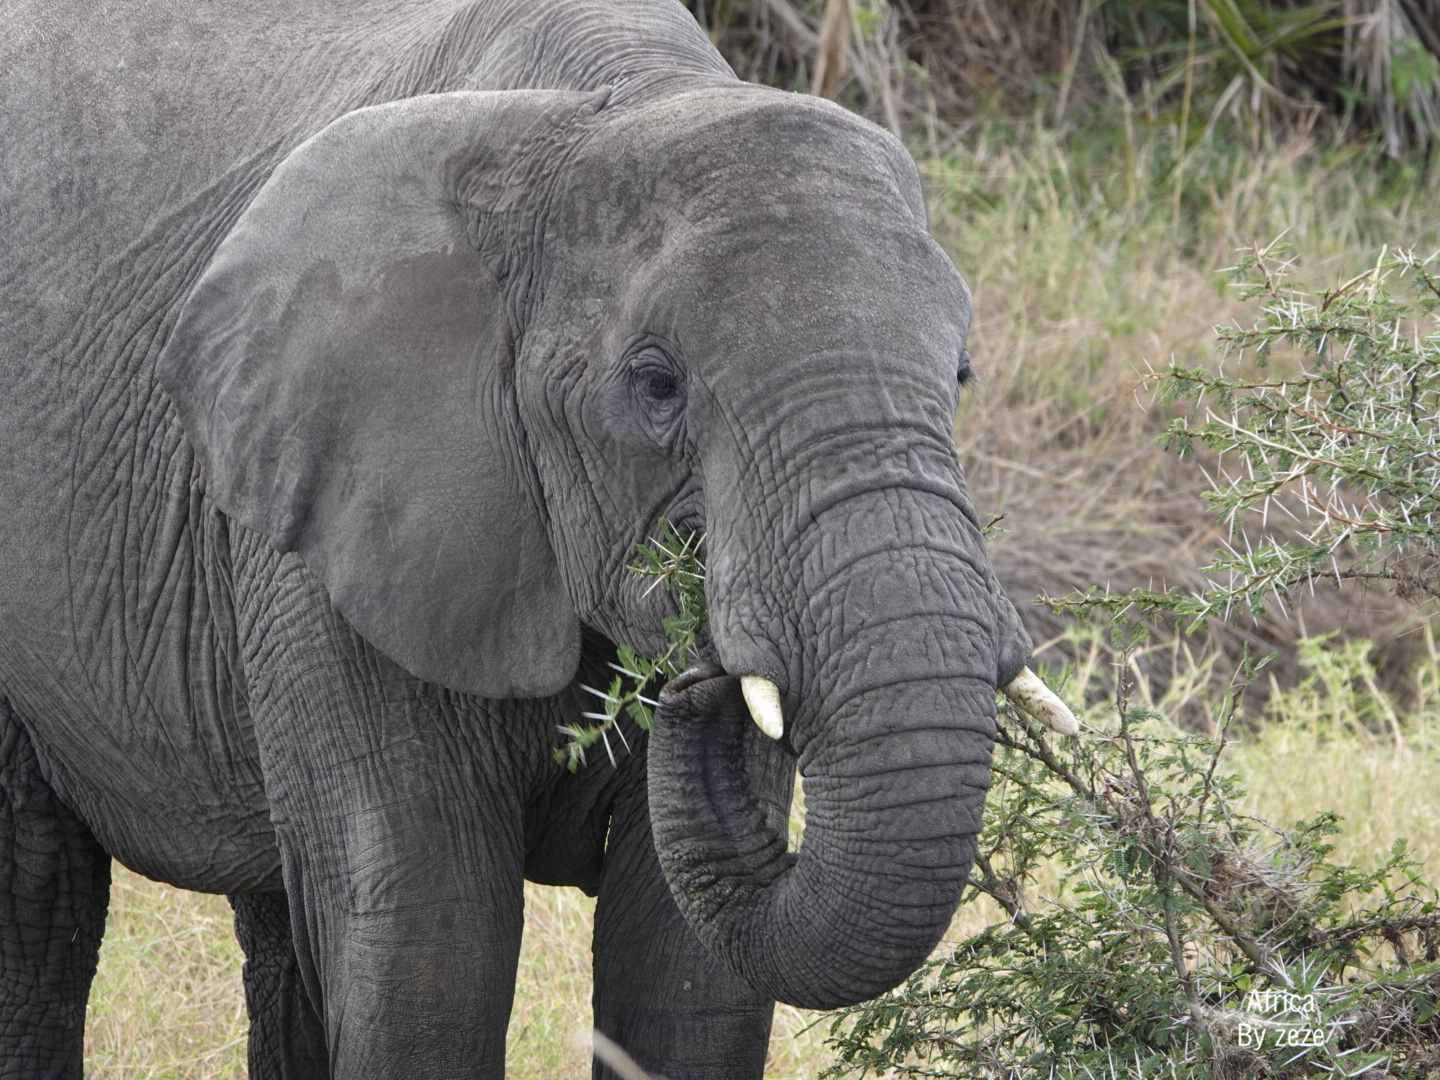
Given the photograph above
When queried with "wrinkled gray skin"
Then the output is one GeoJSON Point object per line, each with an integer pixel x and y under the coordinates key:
{"type": "Point", "coordinates": [346, 353]}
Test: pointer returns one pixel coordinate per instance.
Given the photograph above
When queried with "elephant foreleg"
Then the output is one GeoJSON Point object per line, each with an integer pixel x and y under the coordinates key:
{"type": "Point", "coordinates": [401, 829]}
{"type": "Point", "coordinates": [287, 1039]}
{"type": "Point", "coordinates": [54, 889]}
{"type": "Point", "coordinates": [658, 993]}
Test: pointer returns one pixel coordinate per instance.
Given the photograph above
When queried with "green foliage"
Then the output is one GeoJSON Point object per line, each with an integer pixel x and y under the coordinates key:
{"type": "Point", "coordinates": [1251, 53]}
{"type": "Point", "coordinates": [672, 561]}
{"type": "Point", "coordinates": [1153, 928]}
{"type": "Point", "coordinates": [1345, 441]}
{"type": "Point", "coordinates": [1171, 931]}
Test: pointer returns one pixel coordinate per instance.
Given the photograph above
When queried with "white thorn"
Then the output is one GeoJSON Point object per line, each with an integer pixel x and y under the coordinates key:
{"type": "Point", "coordinates": [763, 699]}
{"type": "Point", "coordinates": [1032, 697]}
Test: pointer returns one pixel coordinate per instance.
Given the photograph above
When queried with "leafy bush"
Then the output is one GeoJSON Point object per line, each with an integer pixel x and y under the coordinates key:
{"type": "Point", "coordinates": [1178, 936]}
{"type": "Point", "coordinates": [1349, 437]}
{"type": "Point", "coordinates": [1181, 937]}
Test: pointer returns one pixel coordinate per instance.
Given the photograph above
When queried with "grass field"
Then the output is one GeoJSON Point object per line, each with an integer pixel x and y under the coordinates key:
{"type": "Point", "coordinates": [1086, 265]}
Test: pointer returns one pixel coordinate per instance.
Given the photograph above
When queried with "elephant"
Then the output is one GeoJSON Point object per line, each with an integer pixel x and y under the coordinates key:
{"type": "Point", "coordinates": [348, 352]}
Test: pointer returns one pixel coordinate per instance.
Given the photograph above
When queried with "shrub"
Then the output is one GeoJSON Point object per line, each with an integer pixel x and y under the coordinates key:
{"type": "Point", "coordinates": [1346, 442]}
{"type": "Point", "coordinates": [1181, 937]}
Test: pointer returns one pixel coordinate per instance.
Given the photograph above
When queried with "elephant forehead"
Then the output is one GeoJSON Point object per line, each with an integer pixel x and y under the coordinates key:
{"type": "Point", "coordinates": [788, 173]}
{"type": "Point", "coordinates": [826, 284]}
{"type": "Point", "coordinates": [759, 228]}
{"type": "Point", "coordinates": [740, 150]}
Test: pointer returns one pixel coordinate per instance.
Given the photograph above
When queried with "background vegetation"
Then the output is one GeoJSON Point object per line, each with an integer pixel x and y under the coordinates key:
{"type": "Point", "coordinates": [168, 1005]}
{"type": "Point", "coordinates": [1092, 166]}
{"type": "Point", "coordinates": [1254, 67]}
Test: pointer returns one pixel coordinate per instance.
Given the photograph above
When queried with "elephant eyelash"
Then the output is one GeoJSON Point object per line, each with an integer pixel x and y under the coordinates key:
{"type": "Point", "coordinates": [656, 382]}
{"type": "Point", "coordinates": [656, 385]}
{"type": "Point", "coordinates": [652, 371]}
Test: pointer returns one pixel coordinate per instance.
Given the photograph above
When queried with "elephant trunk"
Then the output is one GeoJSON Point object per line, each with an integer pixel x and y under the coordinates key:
{"type": "Point", "coordinates": [894, 733]}
{"type": "Point", "coordinates": [887, 848]}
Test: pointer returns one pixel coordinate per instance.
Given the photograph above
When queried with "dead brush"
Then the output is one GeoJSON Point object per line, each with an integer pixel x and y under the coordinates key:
{"type": "Point", "coordinates": [1269, 68]}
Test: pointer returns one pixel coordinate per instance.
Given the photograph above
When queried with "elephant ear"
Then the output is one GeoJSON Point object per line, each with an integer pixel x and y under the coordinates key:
{"type": "Point", "coordinates": [344, 368]}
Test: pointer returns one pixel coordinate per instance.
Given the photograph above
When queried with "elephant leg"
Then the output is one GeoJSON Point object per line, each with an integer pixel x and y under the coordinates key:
{"type": "Point", "coordinates": [658, 993]}
{"type": "Point", "coordinates": [54, 889]}
{"type": "Point", "coordinates": [287, 1040]}
{"type": "Point", "coordinates": [400, 819]}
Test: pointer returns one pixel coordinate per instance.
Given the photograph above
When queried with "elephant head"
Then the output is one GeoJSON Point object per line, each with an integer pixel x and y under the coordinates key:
{"type": "Point", "coordinates": [462, 352]}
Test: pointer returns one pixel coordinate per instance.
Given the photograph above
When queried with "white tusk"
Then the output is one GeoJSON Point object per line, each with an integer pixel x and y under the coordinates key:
{"type": "Point", "coordinates": [763, 699]}
{"type": "Point", "coordinates": [1032, 697]}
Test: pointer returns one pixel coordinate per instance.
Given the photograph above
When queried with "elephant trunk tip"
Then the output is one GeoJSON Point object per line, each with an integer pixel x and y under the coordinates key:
{"type": "Point", "coordinates": [762, 696]}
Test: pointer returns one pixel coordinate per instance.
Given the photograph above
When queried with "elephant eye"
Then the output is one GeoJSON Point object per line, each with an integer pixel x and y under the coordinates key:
{"type": "Point", "coordinates": [963, 373]}
{"type": "Point", "coordinates": [656, 382]}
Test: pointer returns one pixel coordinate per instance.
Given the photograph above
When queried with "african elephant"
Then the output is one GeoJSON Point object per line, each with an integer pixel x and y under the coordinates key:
{"type": "Point", "coordinates": [348, 351]}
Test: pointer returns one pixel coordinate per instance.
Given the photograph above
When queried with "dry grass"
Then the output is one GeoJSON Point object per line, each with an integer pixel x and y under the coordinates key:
{"type": "Point", "coordinates": [1086, 274]}
{"type": "Point", "coordinates": [552, 995]}
{"type": "Point", "coordinates": [168, 1004]}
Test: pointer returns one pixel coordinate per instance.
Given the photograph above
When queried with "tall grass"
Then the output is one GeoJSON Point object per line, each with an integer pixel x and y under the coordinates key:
{"type": "Point", "coordinates": [1356, 70]}
{"type": "Point", "coordinates": [1085, 266]}
{"type": "Point", "coordinates": [167, 1003]}
{"type": "Point", "coordinates": [1086, 271]}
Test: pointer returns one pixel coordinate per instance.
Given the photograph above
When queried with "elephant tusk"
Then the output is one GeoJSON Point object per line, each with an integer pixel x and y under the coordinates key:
{"type": "Point", "coordinates": [1032, 697]}
{"type": "Point", "coordinates": [763, 699]}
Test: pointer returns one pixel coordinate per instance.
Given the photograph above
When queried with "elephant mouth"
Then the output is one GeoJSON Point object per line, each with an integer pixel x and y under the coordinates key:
{"type": "Point", "coordinates": [691, 676]}
{"type": "Point", "coordinates": [762, 696]}
{"type": "Point", "coordinates": [820, 925]}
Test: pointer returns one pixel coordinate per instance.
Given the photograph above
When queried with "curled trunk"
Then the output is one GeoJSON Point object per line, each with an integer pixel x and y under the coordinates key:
{"type": "Point", "coordinates": [894, 789]}
{"type": "Point", "coordinates": [873, 609]}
